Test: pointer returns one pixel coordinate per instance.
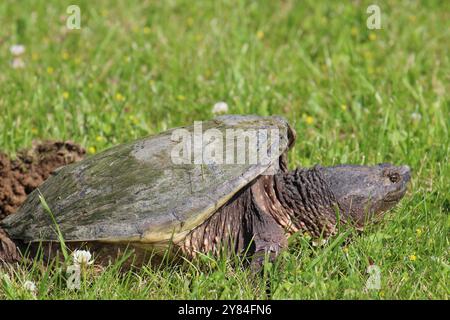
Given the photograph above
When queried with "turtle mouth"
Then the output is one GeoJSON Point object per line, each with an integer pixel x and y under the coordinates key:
{"type": "Point", "coordinates": [395, 196]}
{"type": "Point", "coordinates": [391, 199]}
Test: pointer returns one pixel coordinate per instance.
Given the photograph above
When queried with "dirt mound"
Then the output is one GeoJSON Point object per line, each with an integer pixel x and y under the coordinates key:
{"type": "Point", "coordinates": [22, 175]}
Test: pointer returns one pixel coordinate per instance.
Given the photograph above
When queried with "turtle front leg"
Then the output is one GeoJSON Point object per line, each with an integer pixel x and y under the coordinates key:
{"type": "Point", "coordinates": [243, 225]}
{"type": "Point", "coordinates": [268, 237]}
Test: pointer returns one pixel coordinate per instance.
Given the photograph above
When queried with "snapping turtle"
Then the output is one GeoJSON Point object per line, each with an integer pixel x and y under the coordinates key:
{"type": "Point", "coordinates": [173, 189]}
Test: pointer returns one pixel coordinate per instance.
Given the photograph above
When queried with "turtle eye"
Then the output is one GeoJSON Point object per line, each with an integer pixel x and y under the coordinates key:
{"type": "Point", "coordinates": [394, 177]}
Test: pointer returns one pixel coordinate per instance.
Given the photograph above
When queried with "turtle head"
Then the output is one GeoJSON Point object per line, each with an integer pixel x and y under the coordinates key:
{"type": "Point", "coordinates": [366, 192]}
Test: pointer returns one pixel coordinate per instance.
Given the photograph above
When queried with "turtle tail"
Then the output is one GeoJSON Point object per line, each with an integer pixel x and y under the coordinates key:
{"type": "Point", "coordinates": [9, 253]}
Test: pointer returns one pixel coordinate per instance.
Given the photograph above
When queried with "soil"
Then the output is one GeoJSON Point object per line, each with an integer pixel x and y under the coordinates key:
{"type": "Point", "coordinates": [31, 167]}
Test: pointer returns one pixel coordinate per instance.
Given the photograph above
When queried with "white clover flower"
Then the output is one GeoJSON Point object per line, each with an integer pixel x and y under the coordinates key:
{"type": "Point", "coordinates": [30, 286]}
{"type": "Point", "coordinates": [319, 242]}
{"type": "Point", "coordinates": [415, 116]}
{"type": "Point", "coordinates": [17, 63]}
{"type": "Point", "coordinates": [17, 49]}
{"type": "Point", "coordinates": [82, 257]}
{"type": "Point", "coordinates": [220, 107]}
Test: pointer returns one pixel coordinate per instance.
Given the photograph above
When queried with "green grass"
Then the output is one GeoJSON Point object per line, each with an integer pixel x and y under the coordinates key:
{"type": "Point", "coordinates": [353, 95]}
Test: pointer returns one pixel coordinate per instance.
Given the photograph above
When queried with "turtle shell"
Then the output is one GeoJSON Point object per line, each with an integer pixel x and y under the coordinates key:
{"type": "Point", "coordinates": [137, 192]}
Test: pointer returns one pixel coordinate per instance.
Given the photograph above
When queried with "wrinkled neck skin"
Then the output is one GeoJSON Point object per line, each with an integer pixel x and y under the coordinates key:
{"type": "Point", "coordinates": [299, 200]}
{"type": "Point", "coordinates": [303, 202]}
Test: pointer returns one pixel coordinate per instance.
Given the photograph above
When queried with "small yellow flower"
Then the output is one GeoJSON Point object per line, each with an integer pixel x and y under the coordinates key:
{"type": "Point", "coordinates": [65, 55]}
{"type": "Point", "coordinates": [147, 30]}
{"type": "Point", "coordinates": [372, 36]}
{"type": "Point", "coordinates": [66, 95]}
{"type": "Point", "coordinates": [77, 60]}
{"type": "Point", "coordinates": [343, 107]}
{"type": "Point", "coordinates": [412, 18]}
{"type": "Point", "coordinates": [309, 120]}
{"type": "Point", "coordinates": [260, 35]}
{"type": "Point", "coordinates": [354, 31]}
{"type": "Point", "coordinates": [99, 138]}
{"type": "Point", "coordinates": [181, 97]}
{"type": "Point", "coordinates": [133, 119]}
{"type": "Point", "coordinates": [34, 130]}
{"type": "Point", "coordinates": [119, 97]}
{"type": "Point", "coordinates": [198, 37]}
{"type": "Point", "coordinates": [345, 249]}
{"type": "Point", "coordinates": [370, 70]}
{"type": "Point", "coordinates": [381, 293]}
{"type": "Point", "coordinates": [419, 232]}
{"type": "Point", "coordinates": [368, 55]}
{"type": "Point", "coordinates": [34, 56]}
{"type": "Point", "coordinates": [190, 21]}
{"type": "Point", "coordinates": [91, 150]}
{"type": "Point", "coordinates": [412, 257]}
{"type": "Point", "coordinates": [50, 70]}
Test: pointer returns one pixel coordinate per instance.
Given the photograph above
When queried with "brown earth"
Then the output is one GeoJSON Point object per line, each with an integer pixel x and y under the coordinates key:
{"type": "Point", "coordinates": [31, 167]}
